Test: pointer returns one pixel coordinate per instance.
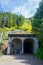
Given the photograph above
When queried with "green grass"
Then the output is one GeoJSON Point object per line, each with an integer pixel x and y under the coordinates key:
{"type": "Point", "coordinates": [39, 53]}
{"type": "Point", "coordinates": [1, 54]}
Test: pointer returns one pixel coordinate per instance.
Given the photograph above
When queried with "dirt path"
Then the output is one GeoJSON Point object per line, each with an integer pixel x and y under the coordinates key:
{"type": "Point", "coordinates": [20, 60]}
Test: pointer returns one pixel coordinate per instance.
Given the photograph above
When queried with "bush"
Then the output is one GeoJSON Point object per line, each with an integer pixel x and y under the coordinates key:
{"type": "Point", "coordinates": [27, 27]}
{"type": "Point", "coordinates": [6, 29]}
{"type": "Point", "coordinates": [39, 53]}
{"type": "Point", "coordinates": [12, 28]}
{"type": "Point", "coordinates": [1, 45]}
{"type": "Point", "coordinates": [1, 54]}
{"type": "Point", "coordinates": [0, 29]}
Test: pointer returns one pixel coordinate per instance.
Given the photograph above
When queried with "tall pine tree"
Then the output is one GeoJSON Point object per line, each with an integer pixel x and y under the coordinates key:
{"type": "Point", "coordinates": [38, 23]}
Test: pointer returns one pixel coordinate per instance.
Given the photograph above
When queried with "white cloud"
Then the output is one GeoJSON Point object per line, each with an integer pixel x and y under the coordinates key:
{"type": "Point", "coordinates": [20, 10]}
{"type": "Point", "coordinates": [28, 9]}
{"type": "Point", "coordinates": [23, 11]}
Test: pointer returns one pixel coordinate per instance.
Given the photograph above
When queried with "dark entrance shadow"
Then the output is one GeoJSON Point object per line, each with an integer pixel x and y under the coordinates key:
{"type": "Point", "coordinates": [4, 51]}
{"type": "Point", "coordinates": [28, 46]}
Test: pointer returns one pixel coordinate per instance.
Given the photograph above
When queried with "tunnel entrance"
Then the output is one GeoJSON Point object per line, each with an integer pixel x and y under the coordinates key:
{"type": "Point", "coordinates": [16, 46]}
{"type": "Point", "coordinates": [28, 46]}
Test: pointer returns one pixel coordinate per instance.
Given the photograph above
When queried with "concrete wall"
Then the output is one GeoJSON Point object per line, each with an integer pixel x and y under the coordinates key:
{"type": "Point", "coordinates": [35, 46]}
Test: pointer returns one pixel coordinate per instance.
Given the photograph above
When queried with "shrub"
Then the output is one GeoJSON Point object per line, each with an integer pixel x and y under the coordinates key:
{"type": "Point", "coordinates": [1, 45]}
{"type": "Point", "coordinates": [39, 53]}
{"type": "Point", "coordinates": [6, 29]}
{"type": "Point", "coordinates": [0, 29]}
{"type": "Point", "coordinates": [12, 28]}
{"type": "Point", "coordinates": [1, 53]}
{"type": "Point", "coordinates": [27, 26]}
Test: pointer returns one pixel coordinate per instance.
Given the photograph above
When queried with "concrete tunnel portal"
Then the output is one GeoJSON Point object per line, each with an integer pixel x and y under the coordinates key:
{"type": "Point", "coordinates": [22, 44]}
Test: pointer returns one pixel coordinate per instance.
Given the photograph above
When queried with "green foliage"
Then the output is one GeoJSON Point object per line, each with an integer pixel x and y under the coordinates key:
{"type": "Point", "coordinates": [27, 26]}
{"type": "Point", "coordinates": [1, 54]}
{"type": "Point", "coordinates": [0, 29]}
{"type": "Point", "coordinates": [39, 53]}
{"type": "Point", "coordinates": [1, 45]}
{"type": "Point", "coordinates": [37, 23]}
{"type": "Point", "coordinates": [37, 28]}
{"type": "Point", "coordinates": [20, 21]}
{"type": "Point", "coordinates": [2, 36]}
{"type": "Point", "coordinates": [12, 20]}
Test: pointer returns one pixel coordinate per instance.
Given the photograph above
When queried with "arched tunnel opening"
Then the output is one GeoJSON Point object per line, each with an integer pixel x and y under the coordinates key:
{"type": "Point", "coordinates": [28, 46]}
{"type": "Point", "coordinates": [16, 46]}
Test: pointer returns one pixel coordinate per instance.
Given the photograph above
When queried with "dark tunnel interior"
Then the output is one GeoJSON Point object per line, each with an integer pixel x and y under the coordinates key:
{"type": "Point", "coordinates": [28, 46]}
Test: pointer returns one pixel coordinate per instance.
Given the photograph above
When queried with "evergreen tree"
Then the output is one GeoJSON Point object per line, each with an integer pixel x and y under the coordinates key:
{"type": "Point", "coordinates": [38, 22]}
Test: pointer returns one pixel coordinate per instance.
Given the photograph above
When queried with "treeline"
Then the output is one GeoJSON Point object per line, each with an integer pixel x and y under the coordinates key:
{"type": "Point", "coordinates": [37, 28]}
{"type": "Point", "coordinates": [12, 20]}
{"type": "Point", "coordinates": [37, 23]}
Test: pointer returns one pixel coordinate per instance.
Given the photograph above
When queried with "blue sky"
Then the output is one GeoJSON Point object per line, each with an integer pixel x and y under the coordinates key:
{"type": "Point", "coordinates": [26, 8]}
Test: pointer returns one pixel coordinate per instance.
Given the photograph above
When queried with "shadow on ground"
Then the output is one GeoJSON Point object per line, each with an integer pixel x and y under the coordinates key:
{"type": "Point", "coordinates": [28, 59]}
